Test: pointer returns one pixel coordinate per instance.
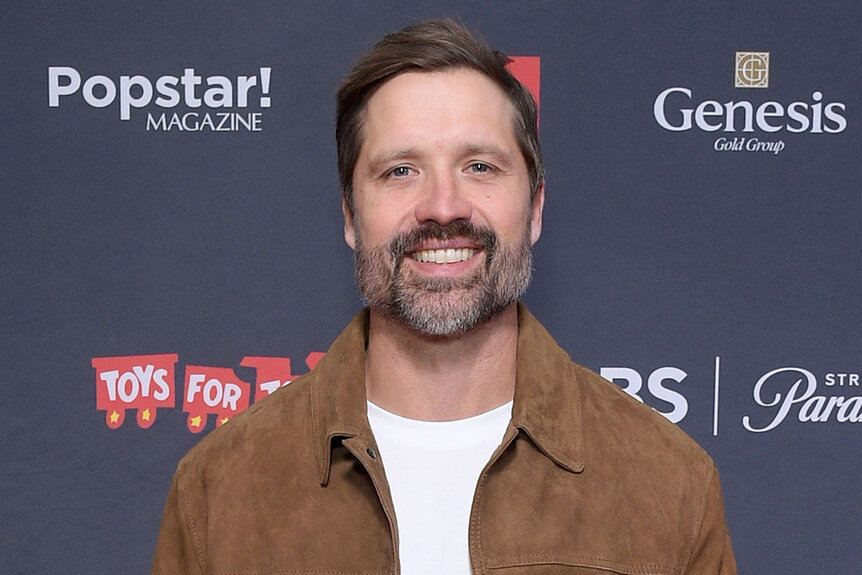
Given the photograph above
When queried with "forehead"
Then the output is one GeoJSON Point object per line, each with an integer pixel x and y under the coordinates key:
{"type": "Point", "coordinates": [445, 104]}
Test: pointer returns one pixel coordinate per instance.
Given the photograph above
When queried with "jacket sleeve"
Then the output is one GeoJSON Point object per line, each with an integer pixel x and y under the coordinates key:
{"type": "Point", "coordinates": [178, 551]}
{"type": "Point", "coordinates": [712, 553]}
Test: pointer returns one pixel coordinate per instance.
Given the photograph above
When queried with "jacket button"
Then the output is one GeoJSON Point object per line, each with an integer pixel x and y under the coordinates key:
{"type": "Point", "coordinates": [371, 453]}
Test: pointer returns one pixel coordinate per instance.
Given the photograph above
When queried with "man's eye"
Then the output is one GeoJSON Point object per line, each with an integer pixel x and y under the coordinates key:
{"type": "Point", "coordinates": [400, 171]}
{"type": "Point", "coordinates": [480, 168]}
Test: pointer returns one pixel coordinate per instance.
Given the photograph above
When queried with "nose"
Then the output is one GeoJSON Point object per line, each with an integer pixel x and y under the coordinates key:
{"type": "Point", "coordinates": [442, 199]}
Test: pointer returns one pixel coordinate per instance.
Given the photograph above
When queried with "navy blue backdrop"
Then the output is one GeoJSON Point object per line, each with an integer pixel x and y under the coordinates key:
{"type": "Point", "coordinates": [171, 217]}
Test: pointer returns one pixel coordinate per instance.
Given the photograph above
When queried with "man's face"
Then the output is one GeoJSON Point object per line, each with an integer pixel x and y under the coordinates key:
{"type": "Point", "coordinates": [443, 224]}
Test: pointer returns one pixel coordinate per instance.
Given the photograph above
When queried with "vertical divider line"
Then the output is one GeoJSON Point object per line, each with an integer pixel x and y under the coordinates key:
{"type": "Point", "coordinates": [715, 400]}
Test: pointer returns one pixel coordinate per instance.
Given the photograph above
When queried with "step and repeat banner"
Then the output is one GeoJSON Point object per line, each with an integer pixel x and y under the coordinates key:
{"type": "Point", "coordinates": [173, 251]}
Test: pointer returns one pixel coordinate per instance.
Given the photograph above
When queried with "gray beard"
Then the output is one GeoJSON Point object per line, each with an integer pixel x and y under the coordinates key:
{"type": "Point", "coordinates": [442, 306]}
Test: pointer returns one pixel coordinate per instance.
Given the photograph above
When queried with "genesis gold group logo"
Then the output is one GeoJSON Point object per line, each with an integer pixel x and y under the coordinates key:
{"type": "Point", "coordinates": [762, 125]}
{"type": "Point", "coordinates": [752, 70]}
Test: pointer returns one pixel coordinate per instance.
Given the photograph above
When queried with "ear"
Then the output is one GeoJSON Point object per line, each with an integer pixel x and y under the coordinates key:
{"type": "Point", "coordinates": [349, 229]}
{"type": "Point", "coordinates": [537, 205]}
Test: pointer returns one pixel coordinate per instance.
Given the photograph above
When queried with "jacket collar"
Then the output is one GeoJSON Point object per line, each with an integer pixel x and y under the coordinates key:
{"type": "Point", "coordinates": [338, 400]}
{"type": "Point", "coordinates": [547, 395]}
{"type": "Point", "coordinates": [547, 406]}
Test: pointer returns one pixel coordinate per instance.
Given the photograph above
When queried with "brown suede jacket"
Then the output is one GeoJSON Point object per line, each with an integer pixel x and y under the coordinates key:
{"type": "Point", "coordinates": [586, 481]}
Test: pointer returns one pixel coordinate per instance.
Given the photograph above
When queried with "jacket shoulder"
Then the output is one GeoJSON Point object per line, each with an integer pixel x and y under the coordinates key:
{"type": "Point", "coordinates": [279, 422]}
{"type": "Point", "coordinates": [615, 422]}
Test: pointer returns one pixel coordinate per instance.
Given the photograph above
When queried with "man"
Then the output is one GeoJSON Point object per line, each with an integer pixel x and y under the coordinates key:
{"type": "Point", "coordinates": [444, 431]}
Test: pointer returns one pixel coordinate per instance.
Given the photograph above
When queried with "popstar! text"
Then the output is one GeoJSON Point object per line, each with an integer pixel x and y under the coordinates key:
{"type": "Point", "coordinates": [190, 89]}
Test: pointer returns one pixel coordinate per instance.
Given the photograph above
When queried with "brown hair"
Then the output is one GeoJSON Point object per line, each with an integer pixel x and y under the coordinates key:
{"type": "Point", "coordinates": [428, 46]}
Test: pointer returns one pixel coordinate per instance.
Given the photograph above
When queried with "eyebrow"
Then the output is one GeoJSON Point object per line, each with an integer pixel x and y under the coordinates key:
{"type": "Point", "coordinates": [394, 156]}
{"type": "Point", "coordinates": [499, 155]}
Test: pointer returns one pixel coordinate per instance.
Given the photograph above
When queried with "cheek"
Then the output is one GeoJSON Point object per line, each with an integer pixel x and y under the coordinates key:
{"type": "Point", "coordinates": [378, 221]}
{"type": "Point", "coordinates": [374, 228]}
{"type": "Point", "coordinates": [510, 223]}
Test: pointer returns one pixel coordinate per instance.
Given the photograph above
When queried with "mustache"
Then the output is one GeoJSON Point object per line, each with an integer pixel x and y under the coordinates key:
{"type": "Point", "coordinates": [408, 242]}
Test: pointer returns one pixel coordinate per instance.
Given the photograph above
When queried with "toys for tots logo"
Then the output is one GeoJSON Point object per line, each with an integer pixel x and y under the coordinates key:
{"type": "Point", "coordinates": [749, 126]}
{"type": "Point", "coordinates": [147, 382]}
{"type": "Point", "coordinates": [214, 103]}
{"type": "Point", "coordinates": [789, 393]}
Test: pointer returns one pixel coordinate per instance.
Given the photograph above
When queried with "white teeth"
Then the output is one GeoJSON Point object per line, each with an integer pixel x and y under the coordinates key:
{"type": "Point", "coordinates": [447, 256]}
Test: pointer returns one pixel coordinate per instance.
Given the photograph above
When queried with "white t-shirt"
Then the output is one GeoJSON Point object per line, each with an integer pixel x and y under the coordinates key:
{"type": "Point", "coordinates": [432, 468]}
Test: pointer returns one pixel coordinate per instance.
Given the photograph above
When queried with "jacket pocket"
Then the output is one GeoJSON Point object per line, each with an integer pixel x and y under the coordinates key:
{"type": "Point", "coordinates": [574, 565]}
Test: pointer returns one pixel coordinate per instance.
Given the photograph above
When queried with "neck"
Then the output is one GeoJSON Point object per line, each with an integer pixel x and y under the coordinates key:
{"type": "Point", "coordinates": [441, 378]}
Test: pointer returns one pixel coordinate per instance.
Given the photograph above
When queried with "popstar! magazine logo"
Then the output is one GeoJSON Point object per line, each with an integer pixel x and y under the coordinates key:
{"type": "Point", "coordinates": [182, 102]}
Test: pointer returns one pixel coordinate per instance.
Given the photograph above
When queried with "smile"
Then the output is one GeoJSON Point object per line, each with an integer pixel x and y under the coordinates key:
{"type": "Point", "coordinates": [443, 256]}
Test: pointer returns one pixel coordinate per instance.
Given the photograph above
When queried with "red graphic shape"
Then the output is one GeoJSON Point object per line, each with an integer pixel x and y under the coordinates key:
{"type": "Point", "coordinates": [275, 372]}
{"type": "Point", "coordinates": [215, 390]}
{"type": "Point", "coordinates": [312, 358]}
{"type": "Point", "coordinates": [142, 382]}
{"type": "Point", "coordinates": [527, 69]}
